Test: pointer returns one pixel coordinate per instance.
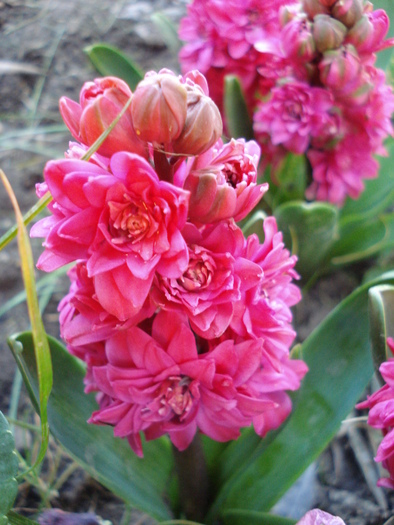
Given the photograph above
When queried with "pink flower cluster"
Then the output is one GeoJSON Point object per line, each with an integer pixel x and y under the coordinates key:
{"type": "Point", "coordinates": [184, 324]}
{"type": "Point", "coordinates": [381, 415]}
{"type": "Point", "coordinates": [307, 70]}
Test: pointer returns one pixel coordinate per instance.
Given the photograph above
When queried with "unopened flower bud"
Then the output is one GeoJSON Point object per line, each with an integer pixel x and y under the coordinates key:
{"type": "Point", "coordinates": [287, 13]}
{"type": "Point", "coordinates": [339, 67]}
{"type": "Point", "coordinates": [328, 33]}
{"type": "Point", "coordinates": [348, 12]}
{"type": "Point", "coordinates": [203, 126]}
{"type": "Point", "coordinates": [101, 102]}
{"type": "Point", "coordinates": [313, 8]}
{"type": "Point", "coordinates": [159, 107]}
{"type": "Point", "coordinates": [222, 183]}
{"type": "Point", "coordinates": [298, 41]}
{"type": "Point", "coordinates": [368, 34]}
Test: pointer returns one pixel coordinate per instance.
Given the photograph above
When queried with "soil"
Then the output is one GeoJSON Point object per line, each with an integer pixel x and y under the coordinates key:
{"type": "Point", "coordinates": [42, 59]}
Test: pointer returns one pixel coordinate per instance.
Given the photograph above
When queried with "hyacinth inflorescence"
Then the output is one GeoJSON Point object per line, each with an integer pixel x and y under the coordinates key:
{"type": "Point", "coordinates": [184, 324]}
{"type": "Point", "coordinates": [310, 83]}
{"type": "Point", "coordinates": [381, 416]}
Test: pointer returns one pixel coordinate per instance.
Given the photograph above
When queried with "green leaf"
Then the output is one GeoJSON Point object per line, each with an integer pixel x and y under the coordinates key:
{"type": "Point", "coordinates": [378, 194]}
{"type": "Point", "coordinates": [241, 517]}
{"type": "Point", "coordinates": [381, 307]}
{"type": "Point", "coordinates": [340, 366]}
{"type": "Point", "coordinates": [139, 482]}
{"type": "Point", "coordinates": [17, 519]}
{"type": "Point", "coordinates": [236, 112]}
{"type": "Point", "coordinates": [168, 31]}
{"type": "Point", "coordinates": [290, 179]}
{"type": "Point", "coordinates": [8, 468]}
{"type": "Point", "coordinates": [308, 230]}
{"type": "Point", "coordinates": [360, 240]}
{"type": "Point", "coordinates": [40, 346]}
{"type": "Point", "coordinates": [110, 61]}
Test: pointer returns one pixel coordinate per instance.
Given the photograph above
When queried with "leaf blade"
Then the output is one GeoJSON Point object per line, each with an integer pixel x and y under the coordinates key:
{"type": "Point", "coordinates": [111, 61]}
{"type": "Point", "coordinates": [139, 482]}
{"type": "Point", "coordinates": [329, 353]}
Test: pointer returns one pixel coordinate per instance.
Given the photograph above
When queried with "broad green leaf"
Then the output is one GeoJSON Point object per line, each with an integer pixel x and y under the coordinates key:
{"type": "Point", "coordinates": [360, 240]}
{"type": "Point", "coordinates": [381, 316]}
{"type": "Point", "coordinates": [254, 223]}
{"type": "Point", "coordinates": [290, 180]}
{"type": "Point", "coordinates": [249, 517]}
{"type": "Point", "coordinates": [110, 61]}
{"type": "Point", "coordinates": [139, 482]}
{"type": "Point", "coordinates": [340, 365]}
{"type": "Point", "coordinates": [236, 112]}
{"type": "Point", "coordinates": [8, 468]}
{"type": "Point", "coordinates": [378, 194]}
{"type": "Point", "coordinates": [308, 230]}
{"type": "Point", "coordinates": [168, 31]}
{"type": "Point", "coordinates": [17, 519]}
{"type": "Point", "coordinates": [40, 346]}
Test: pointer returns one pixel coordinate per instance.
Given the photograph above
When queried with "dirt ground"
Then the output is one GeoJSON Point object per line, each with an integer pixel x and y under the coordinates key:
{"type": "Point", "coordinates": [41, 59]}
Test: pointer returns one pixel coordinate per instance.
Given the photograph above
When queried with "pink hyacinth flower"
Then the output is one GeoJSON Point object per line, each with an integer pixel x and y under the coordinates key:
{"type": "Point", "coordinates": [231, 38]}
{"type": "Point", "coordinates": [212, 282]}
{"type": "Point", "coordinates": [100, 103]}
{"type": "Point", "coordinates": [222, 182]}
{"type": "Point", "coordinates": [319, 517]}
{"type": "Point", "coordinates": [159, 384]}
{"type": "Point", "coordinates": [125, 225]}
{"type": "Point", "coordinates": [295, 114]}
{"type": "Point", "coordinates": [381, 415]}
{"type": "Point", "coordinates": [82, 318]}
{"type": "Point", "coordinates": [340, 171]}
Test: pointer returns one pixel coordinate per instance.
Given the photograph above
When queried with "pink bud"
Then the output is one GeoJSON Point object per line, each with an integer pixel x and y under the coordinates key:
{"type": "Point", "coordinates": [368, 34]}
{"type": "Point", "coordinates": [298, 41]}
{"type": "Point", "coordinates": [101, 102]}
{"type": "Point", "coordinates": [328, 33]}
{"type": "Point", "coordinates": [203, 126]}
{"type": "Point", "coordinates": [313, 8]}
{"type": "Point", "coordinates": [222, 183]}
{"type": "Point", "coordinates": [348, 11]}
{"type": "Point", "coordinates": [287, 13]}
{"type": "Point", "coordinates": [339, 67]}
{"type": "Point", "coordinates": [158, 108]}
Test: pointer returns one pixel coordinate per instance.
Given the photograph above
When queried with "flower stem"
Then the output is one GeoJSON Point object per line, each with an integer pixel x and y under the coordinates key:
{"type": "Point", "coordinates": [192, 474]}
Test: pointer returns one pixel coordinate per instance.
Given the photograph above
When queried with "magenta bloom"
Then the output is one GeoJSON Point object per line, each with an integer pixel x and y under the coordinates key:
{"type": "Point", "coordinates": [159, 384]}
{"type": "Point", "coordinates": [222, 182]}
{"type": "Point", "coordinates": [319, 517]}
{"type": "Point", "coordinates": [264, 313]}
{"type": "Point", "coordinates": [83, 320]}
{"type": "Point", "coordinates": [212, 282]}
{"type": "Point", "coordinates": [338, 172]}
{"type": "Point", "coordinates": [100, 103]}
{"type": "Point", "coordinates": [125, 225]}
{"type": "Point", "coordinates": [222, 37]}
{"type": "Point", "coordinates": [295, 114]}
{"type": "Point", "coordinates": [381, 415]}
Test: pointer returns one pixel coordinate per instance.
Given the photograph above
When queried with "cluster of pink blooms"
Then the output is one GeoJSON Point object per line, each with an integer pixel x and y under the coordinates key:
{"type": "Point", "coordinates": [381, 415]}
{"type": "Point", "coordinates": [184, 324]}
{"type": "Point", "coordinates": [308, 74]}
